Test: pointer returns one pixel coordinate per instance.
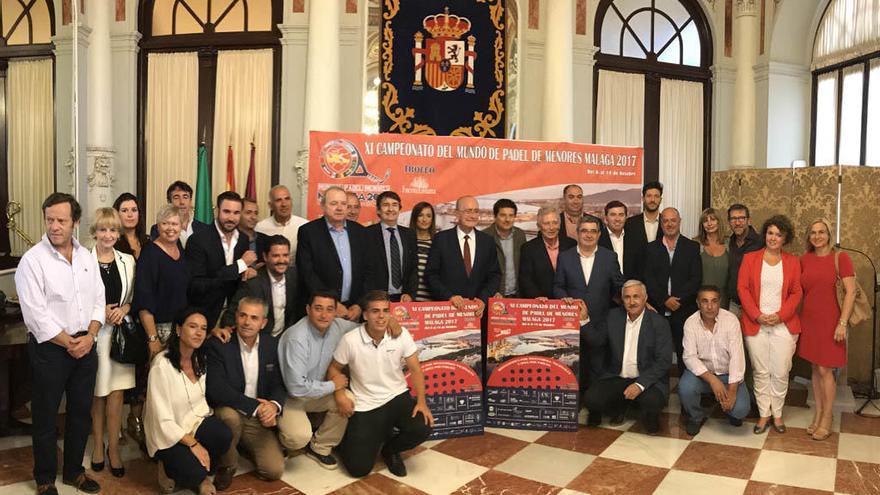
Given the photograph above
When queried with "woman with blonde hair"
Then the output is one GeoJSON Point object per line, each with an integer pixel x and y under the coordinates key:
{"type": "Point", "coordinates": [713, 253]}
{"type": "Point", "coordinates": [824, 321]}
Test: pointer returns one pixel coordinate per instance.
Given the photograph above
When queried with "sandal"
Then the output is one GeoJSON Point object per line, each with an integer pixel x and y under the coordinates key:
{"type": "Point", "coordinates": [821, 434]}
{"type": "Point", "coordinates": [812, 428]}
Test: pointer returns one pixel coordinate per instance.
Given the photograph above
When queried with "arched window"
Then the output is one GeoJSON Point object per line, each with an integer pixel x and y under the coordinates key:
{"type": "Point", "coordinates": [846, 85]}
{"type": "Point", "coordinates": [653, 89]}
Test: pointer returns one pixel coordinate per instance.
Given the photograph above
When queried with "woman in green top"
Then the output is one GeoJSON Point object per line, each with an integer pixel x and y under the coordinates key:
{"type": "Point", "coordinates": [713, 251]}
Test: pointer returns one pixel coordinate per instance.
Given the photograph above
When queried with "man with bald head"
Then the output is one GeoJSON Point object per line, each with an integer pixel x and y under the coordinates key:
{"type": "Point", "coordinates": [282, 220]}
{"type": "Point", "coordinates": [673, 275]}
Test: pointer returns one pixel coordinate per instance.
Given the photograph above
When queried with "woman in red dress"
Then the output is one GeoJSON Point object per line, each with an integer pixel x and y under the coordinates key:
{"type": "Point", "coordinates": [824, 323]}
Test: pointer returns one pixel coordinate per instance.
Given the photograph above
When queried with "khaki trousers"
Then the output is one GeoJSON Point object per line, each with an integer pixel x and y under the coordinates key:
{"type": "Point", "coordinates": [260, 442]}
{"type": "Point", "coordinates": [295, 429]}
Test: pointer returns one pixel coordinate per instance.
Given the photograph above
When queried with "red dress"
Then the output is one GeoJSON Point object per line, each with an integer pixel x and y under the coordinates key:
{"type": "Point", "coordinates": [821, 312]}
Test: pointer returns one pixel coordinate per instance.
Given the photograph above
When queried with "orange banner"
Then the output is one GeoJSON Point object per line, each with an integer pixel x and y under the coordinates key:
{"type": "Point", "coordinates": [440, 169]}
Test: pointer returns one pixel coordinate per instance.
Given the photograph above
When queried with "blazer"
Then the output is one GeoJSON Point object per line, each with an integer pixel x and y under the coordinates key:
{"type": "Point", "coordinates": [605, 281]}
{"type": "Point", "coordinates": [638, 240]}
{"type": "Point", "coordinates": [686, 272]}
{"type": "Point", "coordinates": [632, 266]}
{"type": "Point", "coordinates": [444, 271]}
{"type": "Point", "coordinates": [197, 227]}
{"type": "Point", "coordinates": [536, 274]}
{"type": "Point", "coordinates": [212, 281]}
{"type": "Point", "coordinates": [519, 238]}
{"type": "Point", "coordinates": [318, 263]}
{"type": "Point", "coordinates": [409, 268]}
{"type": "Point", "coordinates": [261, 287]}
{"type": "Point", "coordinates": [562, 231]}
{"type": "Point", "coordinates": [125, 265]}
{"type": "Point", "coordinates": [225, 376]}
{"type": "Point", "coordinates": [654, 351]}
{"type": "Point", "coordinates": [749, 290]}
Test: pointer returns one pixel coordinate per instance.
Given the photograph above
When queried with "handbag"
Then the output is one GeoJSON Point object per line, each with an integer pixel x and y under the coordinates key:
{"type": "Point", "coordinates": [128, 343]}
{"type": "Point", "coordinates": [862, 307]}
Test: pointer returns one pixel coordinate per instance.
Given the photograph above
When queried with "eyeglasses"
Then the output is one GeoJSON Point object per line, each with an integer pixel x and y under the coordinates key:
{"type": "Point", "coordinates": [738, 219]}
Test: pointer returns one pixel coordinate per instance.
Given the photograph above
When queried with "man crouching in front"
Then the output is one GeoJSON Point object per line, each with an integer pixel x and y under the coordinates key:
{"type": "Point", "coordinates": [382, 400]}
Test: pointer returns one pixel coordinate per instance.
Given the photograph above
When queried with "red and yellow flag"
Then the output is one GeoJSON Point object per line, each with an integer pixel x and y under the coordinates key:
{"type": "Point", "coordinates": [230, 170]}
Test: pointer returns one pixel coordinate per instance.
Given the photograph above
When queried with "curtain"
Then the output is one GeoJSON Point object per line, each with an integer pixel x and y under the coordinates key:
{"type": "Point", "coordinates": [620, 109]}
{"type": "Point", "coordinates": [872, 146]}
{"type": "Point", "coordinates": [826, 118]}
{"type": "Point", "coordinates": [849, 29]}
{"type": "Point", "coordinates": [681, 149]}
{"type": "Point", "coordinates": [30, 137]}
{"type": "Point", "coordinates": [850, 146]}
{"type": "Point", "coordinates": [243, 114]}
{"type": "Point", "coordinates": [171, 137]}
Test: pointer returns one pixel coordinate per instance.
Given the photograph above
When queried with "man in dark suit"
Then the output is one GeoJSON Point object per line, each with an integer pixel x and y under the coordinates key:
{"type": "Point", "coordinates": [673, 275]}
{"type": "Point", "coordinates": [395, 252]}
{"type": "Point", "coordinates": [572, 210]}
{"type": "Point", "coordinates": [245, 388]}
{"type": "Point", "coordinates": [638, 351]}
{"type": "Point", "coordinates": [591, 274]}
{"type": "Point", "coordinates": [509, 240]}
{"type": "Point", "coordinates": [333, 254]}
{"type": "Point", "coordinates": [275, 283]}
{"type": "Point", "coordinates": [250, 216]}
{"type": "Point", "coordinates": [463, 263]}
{"type": "Point", "coordinates": [644, 228]}
{"type": "Point", "coordinates": [614, 238]}
{"type": "Point", "coordinates": [538, 257]}
{"type": "Point", "coordinates": [180, 194]}
{"type": "Point", "coordinates": [218, 259]}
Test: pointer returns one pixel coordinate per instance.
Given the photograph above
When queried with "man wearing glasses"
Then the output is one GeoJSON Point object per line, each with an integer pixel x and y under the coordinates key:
{"type": "Point", "coordinates": [744, 240]}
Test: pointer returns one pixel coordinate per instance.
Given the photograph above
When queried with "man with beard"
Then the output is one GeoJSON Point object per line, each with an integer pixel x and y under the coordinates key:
{"type": "Point", "coordinates": [250, 216]}
{"type": "Point", "coordinates": [218, 259]}
{"type": "Point", "coordinates": [643, 228]}
{"type": "Point", "coordinates": [744, 240]}
{"type": "Point", "coordinates": [538, 258]}
{"type": "Point", "coordinates": [572, 210]}
{"type": "Point", "coordinates": [282, 220]}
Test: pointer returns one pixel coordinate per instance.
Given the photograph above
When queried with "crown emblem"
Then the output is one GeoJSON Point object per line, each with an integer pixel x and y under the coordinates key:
{"type": "Point", "coordinates": [446, 25]}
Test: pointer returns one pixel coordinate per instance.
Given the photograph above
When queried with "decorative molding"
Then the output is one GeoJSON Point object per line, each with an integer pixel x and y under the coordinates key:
{"type": "Point", "coordinates": [534, 49]}
{"type": "Point", "coordinates": [584, 53]}
{"type": "Point", "coordinates": [101, 173]}
{"type": "Point", "coordinates": [125, 42]}
{"type": "Point", "coordinates": [70, 165]}
{"type": "Point", "coordinates": [789, 70]}
{"type": "Point", "coordinates": [300, 167]}
{"type": "Point", "coordinates": [723, 75]}
{"type": "Point", "coordinates": [294, 34]}
{"type": "Point", "coordinates": [350, 35]}
{"type": "Point", "coordinates": [746, 8]}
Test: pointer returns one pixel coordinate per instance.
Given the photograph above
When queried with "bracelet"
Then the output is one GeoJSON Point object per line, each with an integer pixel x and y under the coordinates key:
{"type": "Point", "coordinates": [153, 338]}
{"type": "Point", "coordinates": [842, 322]}
{"type": "Point", "coordinates": [194, 444]}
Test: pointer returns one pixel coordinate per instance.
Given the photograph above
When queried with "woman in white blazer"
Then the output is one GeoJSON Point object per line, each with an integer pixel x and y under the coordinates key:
{"type": "Point", "coordinates": [117, 272]}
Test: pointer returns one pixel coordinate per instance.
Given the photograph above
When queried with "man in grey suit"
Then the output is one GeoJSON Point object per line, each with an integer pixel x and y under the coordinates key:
{"type": "Point", "coordinates": [590, 273]}
{"type": "Point", "coordinates": [638, 348]}
{"type": "Point", "coordinates": [509, 240]}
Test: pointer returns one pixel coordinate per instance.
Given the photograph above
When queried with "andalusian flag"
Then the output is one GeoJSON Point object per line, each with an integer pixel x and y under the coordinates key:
{"type": "Point", "coordinates": [204, 212]}
{"type": "Point", "coordinates": [230, 171]}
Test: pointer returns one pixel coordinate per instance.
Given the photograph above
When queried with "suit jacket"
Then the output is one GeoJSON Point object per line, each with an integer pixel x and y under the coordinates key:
{"type": "Point", "coordinates": [225, 378]}
{"type": "Point", "coordinates": [125, 265]}
{"type": "Point", "coordinates": [444, 271]}
{"type": "Point", "coordinates": [409, 267]}
{"type": "Point", "coordinates": [318, 263]}
{"type": "Point", "coordinates": [212, 281]}
{"type": "Point", "coordinates": [519, 238]}
{"type": "Point", "coordinates": [536, 274]}
{"type": "Point", "coordinates": [686, 271]}
{"type": "Point", "coordinates": [197, 227]}
{"type": "Point", "coordinates": [605, 281]}
{"type": "Point", "coordinates": [632, 267]}
{"type": "Point", "coordinates": [749, 289]}
{"type": "Point", "coordinates": [638, 240]}
{"type": "Point", "coordinates": [654, 351]}
{"type": "Point", "coordinates": [261, 287]}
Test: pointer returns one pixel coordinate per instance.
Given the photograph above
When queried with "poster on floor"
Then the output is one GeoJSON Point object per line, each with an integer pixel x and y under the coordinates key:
{"type": "Point", "coordinates": [532, 365]}
{"type": "Point", "coordinates": [440, 169]}
{"type": "Point", "coordinates": [450, 352]}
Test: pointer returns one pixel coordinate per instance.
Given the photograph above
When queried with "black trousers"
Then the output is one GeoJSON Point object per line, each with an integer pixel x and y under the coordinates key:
{"type": "Point", "coordinates": [606, 396]}
{"type": "Point", "coordinates": [676, 327]}
{"type": "Point", "coordinates": [180, 463]}
{"type": "Point", "coordinates": [57, 373]}
{"type": "Point", "coordinates": [368, 430]}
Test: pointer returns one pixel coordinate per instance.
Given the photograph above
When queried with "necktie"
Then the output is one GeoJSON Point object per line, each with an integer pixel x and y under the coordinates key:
{"type": "Point", "coordinates": [396, 272]}
{"type": "Point", "coordinates": [467, 256]}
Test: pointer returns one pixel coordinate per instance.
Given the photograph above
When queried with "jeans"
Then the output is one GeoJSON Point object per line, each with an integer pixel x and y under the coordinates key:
{"type": "Point", "coordinates": [691, 388]}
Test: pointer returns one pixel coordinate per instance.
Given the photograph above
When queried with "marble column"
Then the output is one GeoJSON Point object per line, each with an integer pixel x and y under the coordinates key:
{"type": "Point", "coordinates": [99, 116]}
{"type": "Point", "coordinates": [745, 43]}
{"type": "Point", "coordinates": [558, 118]}
{"type": "Point", "coordinates": [322, 67]}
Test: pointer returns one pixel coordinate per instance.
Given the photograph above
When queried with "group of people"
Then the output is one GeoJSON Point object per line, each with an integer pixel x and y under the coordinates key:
{"type": "Point", "coordinates": [252, 324]}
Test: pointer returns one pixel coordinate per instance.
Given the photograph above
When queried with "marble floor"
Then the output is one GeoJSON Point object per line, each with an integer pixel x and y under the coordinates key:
{"type": "Point", "coordinates": [719, 460]}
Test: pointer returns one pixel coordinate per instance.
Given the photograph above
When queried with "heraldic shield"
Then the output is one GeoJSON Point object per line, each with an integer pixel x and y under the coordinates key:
{"type": "Point", "coordinates": [444, 58]}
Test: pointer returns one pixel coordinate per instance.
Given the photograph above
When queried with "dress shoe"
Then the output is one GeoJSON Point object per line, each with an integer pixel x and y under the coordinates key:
{"type": "Point", "coordinates": [223, 478]}
{"type": "Point", "coordinates": [116, 472]}
{"type": "Point", "coordinates": [652, 425]}
{"type": "Point", "coordinates": [84, 484]}
{"type": "Point", "coordinates": [394, 463]}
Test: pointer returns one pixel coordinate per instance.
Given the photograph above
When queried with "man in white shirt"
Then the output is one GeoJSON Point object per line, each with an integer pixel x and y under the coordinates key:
{"type": "Point", "coordinates": [638, 351]}
{"type": "Point", "coordinates": [384, 413]}
{"type": "Point", "coordinates": [61, 293]}
{"type": "Point", "coordinates": [644, 228]}
{"type": "Point", "coordinates": [282, 220]}
{"type": "Point", "coordinates": [713, 354]}
{"type": "Point", "coordinates": [613, 237]}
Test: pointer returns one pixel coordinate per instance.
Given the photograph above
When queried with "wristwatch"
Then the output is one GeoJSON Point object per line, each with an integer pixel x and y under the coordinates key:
{"type": "Point", "coordinates": [153, 338]}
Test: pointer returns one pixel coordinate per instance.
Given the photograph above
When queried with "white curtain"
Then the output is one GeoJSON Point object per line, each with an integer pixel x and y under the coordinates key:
{"type": "Point", "coordinates": [849, 29]}
{"type": "Point", "coordinates": [242, 115]}
{"type": "Point", "coordinates": [681, 149]}
{"type": "Point", "coordinates": [30, 137]}
{"type": "Point", "coordinates": [172, 136]}
{"type": "Point", "coordinates": [826, 119]}
{"type": "Point", "coordinates": [620, 109]}
{"type": "Point", "coordinates": [872, 146]}
{"type": "Point", "coordinates": [850, 146]}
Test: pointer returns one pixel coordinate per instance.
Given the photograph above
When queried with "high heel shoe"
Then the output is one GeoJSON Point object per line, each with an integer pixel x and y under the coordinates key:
{"type": "Point", "coordinates": [98, 466]}
{"type": "Point", "coordinates": [117, 472]}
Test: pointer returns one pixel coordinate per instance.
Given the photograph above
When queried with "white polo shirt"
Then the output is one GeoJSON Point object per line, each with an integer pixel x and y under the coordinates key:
{"type": "Point", "coordinates": [376, 370]}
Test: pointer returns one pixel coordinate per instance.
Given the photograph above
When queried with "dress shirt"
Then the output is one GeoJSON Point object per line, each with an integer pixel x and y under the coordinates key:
{"type": "Point", "coordinates": [617, 245]}
{"type": "Point", "coordinates": [472, 242]}
{"type": "Point", "coordinates": [229, 248]}
{"type": "Point", "coordinates": [717, 350]}
{"type": "Point", "coordinates": [279, 302]}
{"type": "Point", "coordinates": [552, 252]}
{"type": "Point", "coordinates": [630, 363]}
{"type": "Point", "coordinates": [509, 268]}
{"type": "Point", "coordinates": [185, 233]}
{"type": "Point", "coordinates": [651, 228]}
{"type": "Point", "coordinates": [288, 229]}
{"type": "Point", "coordinates": [56, 295]}
{"type": "Point", "coordinates": [343, 250]}
{"type": "Point", "coordinates": [250, 363]}
{"type": "Point", "coordinates": [670, 250]}
{"type": "Point", "coordinates": [587, 261]}
{"type": "Point", "coordinates": [386, 236]}
{"type": "Point", "coordinates": [305, 355]}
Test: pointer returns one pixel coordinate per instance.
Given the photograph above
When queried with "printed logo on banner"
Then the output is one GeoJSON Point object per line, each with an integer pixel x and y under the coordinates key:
{"type": "Point", "coordinates": [341, 159]}
{"type": "Point", "coordinates": [444, 58]}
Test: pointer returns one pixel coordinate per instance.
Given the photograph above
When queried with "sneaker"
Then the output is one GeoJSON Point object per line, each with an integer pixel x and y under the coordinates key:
{"type": "Point", "coordinates": [693, 427]}
{"type": "Point", "coordinates": [325, 461]}
{"type": "Point", "coordinates": [734, 421]}
{"type": "Point", "coordinates": [223, 478]}
{"type": "Point", "coordinates": [394, 463]}
{"type": "Point", "coordinates": [84, 484]}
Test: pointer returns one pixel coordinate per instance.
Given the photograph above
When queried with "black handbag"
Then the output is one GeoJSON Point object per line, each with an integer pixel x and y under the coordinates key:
{"type": "Point", "coordinates": [128, 343]}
